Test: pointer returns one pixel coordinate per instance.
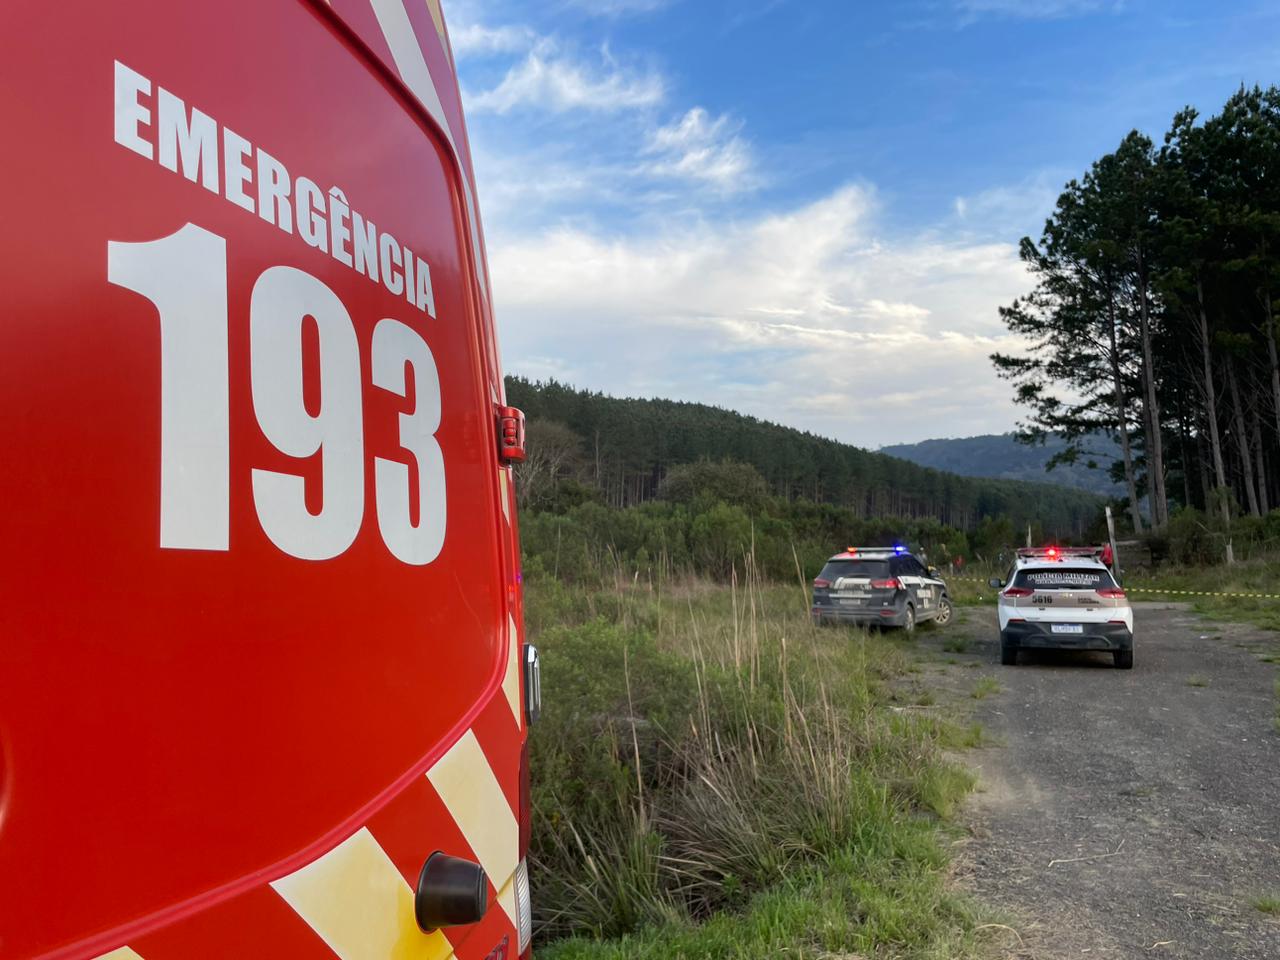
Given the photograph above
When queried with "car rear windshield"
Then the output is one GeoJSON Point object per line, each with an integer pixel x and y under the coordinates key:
{"type": "Point", "coordinates": [1064, 578]}
{"type": "Point", "coordinates": [873, 569]}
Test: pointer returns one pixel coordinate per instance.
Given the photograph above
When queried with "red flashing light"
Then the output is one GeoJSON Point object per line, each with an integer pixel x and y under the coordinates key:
{"type": "Point", "coordinates": [510, 435]}
{"type": "Point", "coordinates": [851, 551]}
{"type": "Point", "coordinates": [1053, 553]}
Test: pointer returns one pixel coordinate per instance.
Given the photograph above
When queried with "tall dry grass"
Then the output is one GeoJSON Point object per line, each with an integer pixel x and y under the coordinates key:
{"type": "Point", "coordinates": [704, 742]}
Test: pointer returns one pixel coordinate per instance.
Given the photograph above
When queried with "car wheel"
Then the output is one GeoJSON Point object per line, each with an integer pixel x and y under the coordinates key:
{"type": "Point", "coordinates": [943, 616]}
{"type": "Point", "coordinates": [1124, 659]}
{"type": "Point", "coordinates": [1008, 653]}
{"type": "Point", "coordinates": [909, 619]}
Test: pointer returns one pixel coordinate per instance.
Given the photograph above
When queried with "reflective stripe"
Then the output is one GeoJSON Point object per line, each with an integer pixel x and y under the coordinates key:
{"type": "Point", "coordinates": [358, 903]}
{"type": "Point", "coordinates": [411, 62]}
{"type": "Point", "coordinates": [471, 792]}
{"type": "Point", "coordinates": [124, 953]}
{"type": "Point", "coordinates": [511, 681]}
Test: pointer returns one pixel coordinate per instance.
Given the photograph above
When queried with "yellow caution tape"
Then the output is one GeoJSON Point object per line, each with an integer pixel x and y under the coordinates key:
{"type": "Point", "coordinates": [1176, 593]}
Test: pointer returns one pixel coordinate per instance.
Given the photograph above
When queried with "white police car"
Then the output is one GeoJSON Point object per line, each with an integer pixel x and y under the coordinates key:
{"type": "Point", "coordinates": [880, 585]}
{"type": "Point", "coordinates": [1063, 598]}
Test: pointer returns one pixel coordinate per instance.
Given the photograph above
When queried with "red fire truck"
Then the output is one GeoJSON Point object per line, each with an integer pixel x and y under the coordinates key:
{"type": "Point", "coordinates": [263, 691]}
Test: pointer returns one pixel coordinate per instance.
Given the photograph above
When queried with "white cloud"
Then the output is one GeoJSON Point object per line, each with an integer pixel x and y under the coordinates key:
{"type": "Point", "coordinates": [971, 10]}
{"type": "Point", "coordinates": [806, 317]}
{"type": "Point", "coordinates": [1011, 210]}
{"type": "Point", "coordinates": [695, 147]}
{"type": "Point", "coordinates": [475, 39]}
{"type": "Point", "coordinates": [550, 80]}
{"type": "Point", "coordinates": [616, 8]}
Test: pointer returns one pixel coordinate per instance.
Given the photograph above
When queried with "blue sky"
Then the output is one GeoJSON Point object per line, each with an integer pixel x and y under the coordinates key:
{"type": "Point", "coordinates": [789, 207]}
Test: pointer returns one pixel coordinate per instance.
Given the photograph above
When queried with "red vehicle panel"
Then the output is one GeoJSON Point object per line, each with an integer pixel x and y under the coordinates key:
{"type": "Point", "coordinates": [259, 630]}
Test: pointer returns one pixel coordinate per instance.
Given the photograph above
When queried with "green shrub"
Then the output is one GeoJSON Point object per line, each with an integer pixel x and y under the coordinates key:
{"type": "Point", "coordinates": [704, 746]}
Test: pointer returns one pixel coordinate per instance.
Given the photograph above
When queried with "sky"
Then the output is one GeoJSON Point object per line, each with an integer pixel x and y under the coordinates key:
{"type": "Point", "coordinates": [806, 210]}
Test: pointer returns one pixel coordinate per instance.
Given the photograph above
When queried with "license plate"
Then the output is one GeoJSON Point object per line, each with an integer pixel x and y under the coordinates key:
{"type": "Point", "coordinates": [856, 598]}
{"type": "Point", "coordinates": [1066, 627]}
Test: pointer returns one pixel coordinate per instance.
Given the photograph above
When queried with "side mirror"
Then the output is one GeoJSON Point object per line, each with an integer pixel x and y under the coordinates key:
{"type": "Point", "coordinates": [995, 583]}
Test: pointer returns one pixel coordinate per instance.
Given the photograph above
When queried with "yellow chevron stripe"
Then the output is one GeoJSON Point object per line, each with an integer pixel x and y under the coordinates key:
{"type": "Point", "coordinates": [436, 17]}
{"type": "Point", "coordinates": [511, 680]}
{"type": "Point", "coordinates": [465, 782]}
{"type": "Point", "coordinates": [507, 897]}
{"type": "Point", "coordinates": [355, 899]}
{"type": "Point", "coordinates": [124, 953]}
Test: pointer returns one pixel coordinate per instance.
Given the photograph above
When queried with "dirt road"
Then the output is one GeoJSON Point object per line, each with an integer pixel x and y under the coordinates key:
{"type": "Point", "coordinates": [1130, 813]}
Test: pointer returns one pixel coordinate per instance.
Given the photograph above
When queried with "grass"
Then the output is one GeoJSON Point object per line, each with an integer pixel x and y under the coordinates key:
{"type": "Point", "coordinates": [1268, 903]}
{"type": "Point", "coordinates": [970, 589]}
{"type": "Point", "coordinates": [716, 777]}
{"type": "Point", "coordinates": [955, 645]}
{"type": "Point", "coordinates": [1197, 680]}
{"type": "Point", "coordinates": [985, 687]}
{"type": "Point", "coordinates": [1260, 576]}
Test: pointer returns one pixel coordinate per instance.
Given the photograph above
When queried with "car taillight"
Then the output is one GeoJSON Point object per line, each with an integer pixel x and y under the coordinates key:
{"type": "Point", "coordinates": [1018, 592]}
{"type": "Point", "coordinates": [820, 583]}
{"type": "Point", "coordinates": [1112, 593]}
{"type": "Point", "coordinates": [891, 584]}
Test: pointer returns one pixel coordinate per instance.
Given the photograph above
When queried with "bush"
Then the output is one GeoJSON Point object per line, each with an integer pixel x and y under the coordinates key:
{"type": "Point", "coordinates": [702, 746]}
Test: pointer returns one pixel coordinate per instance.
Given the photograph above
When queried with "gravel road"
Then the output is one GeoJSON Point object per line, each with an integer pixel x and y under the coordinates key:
{"type": "Point", "coordinates": [1129, 813]}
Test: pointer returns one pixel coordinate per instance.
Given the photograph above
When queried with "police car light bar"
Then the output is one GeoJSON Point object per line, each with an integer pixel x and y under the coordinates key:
{"type": "Point", "coordinates": [1053, 553]}
{"type": "Point", "coordinates": [894, 549]}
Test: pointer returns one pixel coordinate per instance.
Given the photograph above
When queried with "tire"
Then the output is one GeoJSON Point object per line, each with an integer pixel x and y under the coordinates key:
{"type": "Point", "coordinates": [945, 612]}
{"type": "Point", "coordinates": [1008, 653]}
{"type": "Point", "coordinates": [1124, 659]}
{"type": "Point", "coordinates": [909, 620]}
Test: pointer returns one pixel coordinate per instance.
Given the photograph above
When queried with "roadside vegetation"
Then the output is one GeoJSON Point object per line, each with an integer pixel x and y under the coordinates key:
{"type": "Point", "coordinates": [1267, 903]}
{"type": "Point", "coordinates": [1215, 590]}
{"type": "Point", "coordinates": [715, 777]}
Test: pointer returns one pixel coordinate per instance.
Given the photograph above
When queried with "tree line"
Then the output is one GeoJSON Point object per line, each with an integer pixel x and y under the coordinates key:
{"type": "Point", "coordinates": [619, 452]}
{"type": "Point", "coordinates": [716, 519]}
{"type": "Point", "coordinates": [1152, 317]}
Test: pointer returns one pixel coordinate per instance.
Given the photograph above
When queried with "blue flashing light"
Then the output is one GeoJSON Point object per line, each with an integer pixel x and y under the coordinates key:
{"type": "Point", "coordinates": [899, 548]}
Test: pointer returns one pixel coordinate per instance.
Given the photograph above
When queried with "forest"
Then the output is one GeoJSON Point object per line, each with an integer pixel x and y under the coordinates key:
{"type": "Point", "coordinates": [1152, 319]}
{"type": "Point", "coordinates": [622, 449]}
{"type": "Point", "coordinates": [663, 486]}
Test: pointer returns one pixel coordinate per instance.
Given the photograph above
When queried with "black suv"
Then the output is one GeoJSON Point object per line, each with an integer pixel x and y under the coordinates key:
{"type": "Point", "coordinates": [881, 585]}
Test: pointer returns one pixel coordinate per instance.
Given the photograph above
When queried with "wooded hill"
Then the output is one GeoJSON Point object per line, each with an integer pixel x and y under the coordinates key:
{"type": "Point", "coordinates": [623, 448]}
{"type": "Point", "coordinates": [1003, 456]}
{"type": "Point", "coordinates": [1153, 314]}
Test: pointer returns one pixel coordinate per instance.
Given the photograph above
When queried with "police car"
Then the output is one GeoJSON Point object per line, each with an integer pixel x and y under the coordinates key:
{"type": "Point", "coordinates": [1063, 598]}
{"type": "Point", "coordinates": [879, 585]}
